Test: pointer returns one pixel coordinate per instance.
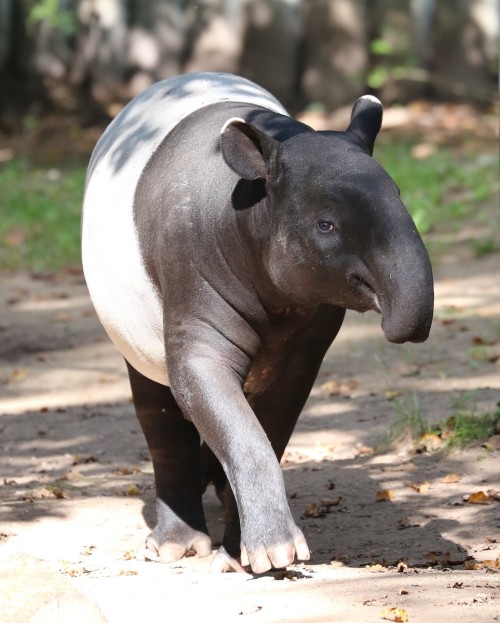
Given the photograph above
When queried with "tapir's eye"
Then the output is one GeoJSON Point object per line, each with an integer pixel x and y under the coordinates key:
{"type": "Point", "coordinates": [326, 227]}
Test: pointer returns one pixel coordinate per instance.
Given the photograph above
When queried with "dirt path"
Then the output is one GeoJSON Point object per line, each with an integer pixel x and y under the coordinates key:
{"type": "Point", "coordinates": [77, 496]}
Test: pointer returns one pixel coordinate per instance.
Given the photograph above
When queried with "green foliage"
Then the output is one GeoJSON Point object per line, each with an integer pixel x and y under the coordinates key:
{"type": "Point", "coordinates": [377, 77]}
{"type": "Point", "coordinates": [40, 224]}
{"type": "Point", "coordinates": [485, 247]}
{"type": "Point", "coordinates": [410, 421]}
{"type": "Point", "coordinates": [464, 427]}
{"type": "Point", "coordinates": [61, 14]}
{"type": "Point", "coordinates": [441, 189]}
{"type": "Point", "coordinates": [393, 57]}
{"type": "Point", "coordinates": [381, 47]}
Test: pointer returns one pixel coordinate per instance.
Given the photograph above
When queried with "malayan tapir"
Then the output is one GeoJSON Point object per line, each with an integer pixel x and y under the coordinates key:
{"type": "Point", "coordinates": [223, 242]}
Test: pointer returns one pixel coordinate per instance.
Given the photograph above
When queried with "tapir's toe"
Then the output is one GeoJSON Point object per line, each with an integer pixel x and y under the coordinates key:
{"type": "Point", "coordinates": [170, 551]}
{"type": "Point", "coordinates": [224, 563]}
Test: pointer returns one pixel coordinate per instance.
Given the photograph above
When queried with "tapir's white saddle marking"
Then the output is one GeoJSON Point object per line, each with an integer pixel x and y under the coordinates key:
{"type": "Point", "coordinates": [125, 299]}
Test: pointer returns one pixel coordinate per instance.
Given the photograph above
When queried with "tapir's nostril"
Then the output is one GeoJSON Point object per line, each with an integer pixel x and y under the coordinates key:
{"type": "Point", "coordinates": [368, 291]}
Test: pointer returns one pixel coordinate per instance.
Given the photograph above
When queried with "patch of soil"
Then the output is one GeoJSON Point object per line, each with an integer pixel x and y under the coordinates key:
{"type": "Point", "coordinates": [389, 524]}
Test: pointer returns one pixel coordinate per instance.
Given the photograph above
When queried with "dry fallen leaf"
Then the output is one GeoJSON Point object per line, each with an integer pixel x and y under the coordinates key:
{"type": "Point", "coordinates": [327, 502]}
{"type": "Point", "coordinates": [451, 478]}
{"type": "Point", "coordinates": [71, 569]}
{"type": "Point", "coordinates": [50, 491]}
{"type": "Point", "coordinates": [474, 565]}
{"type": "Point", "coordinates": [87, 550]}
{"type": "Point", "coordinates": [481, 341]}
{"type": "Point", "coordinates": [479, 497]}
{"type": "Point", "coordinates": [493, 443]}
{"type": "Point", "coordinates": [123, 471]}
{"type": "Point", "coordinates": [431, 438]}
{"type": "Point", "coordinates": [377, 568]}
{"type": "Point", "coordinates": [384, 495]}
{"type": "Point", "coordinates": [445, 558]}
{"type": "Point", "coordinates": [334, 388]}
{"type": "Point", "coordinates": [128, 572]}
{"type": "Point", "coordinates": [81, 459]}
{"type": "Point", "coordinates": [331, 388]}
{"type": "Point", "coordinates": [362, 450]}
{"type": "Point", "coordinates": [312, 510]}
{"type": "Point", "coordinates": [423, 487]}
{"type": "Point", "coordinates": [391, 394]}
{"type": "Point", "coordinates": [321, 508]}
{"type": "Point", "coordinates": [399, 615]}
{"type": "Point", "coordinates": [18, 375]}
{"type": "Point", "coordinates": [133, 490]}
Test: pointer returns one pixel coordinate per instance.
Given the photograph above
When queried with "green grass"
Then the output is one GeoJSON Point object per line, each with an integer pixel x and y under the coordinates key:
{"type": "Point", "coordinates": [40, 221]}
{"type": "Point", "coordinates": [40, 207]}
{"type": "Point", "coordinates": [410, 420]}
{"type": "Point", "coordinates": [443, 189]}
{"type": "Point", "coordinates": [464, 427]}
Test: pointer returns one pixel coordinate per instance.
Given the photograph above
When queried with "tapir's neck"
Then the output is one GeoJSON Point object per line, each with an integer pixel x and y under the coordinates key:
{"type": "Point", "coordinates": [200, 204]}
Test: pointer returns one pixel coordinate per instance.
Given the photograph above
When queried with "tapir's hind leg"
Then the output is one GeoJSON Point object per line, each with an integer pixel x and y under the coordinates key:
{"type": "Point", "coordinates": [174, 445]}
{"type": "Point", "coordinates": [278, 387]}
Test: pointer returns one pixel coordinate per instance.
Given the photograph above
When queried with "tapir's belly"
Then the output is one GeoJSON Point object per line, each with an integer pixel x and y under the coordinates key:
{"type": "Point", "coordinates": [126, 300]}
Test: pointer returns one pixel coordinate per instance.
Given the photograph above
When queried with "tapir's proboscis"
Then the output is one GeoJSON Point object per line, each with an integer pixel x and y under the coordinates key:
{"type": "Point", "coordinates": [223, 242]}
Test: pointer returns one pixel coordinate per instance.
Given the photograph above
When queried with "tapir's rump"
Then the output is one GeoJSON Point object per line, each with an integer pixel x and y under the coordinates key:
{"type": "Point", "coordinates": [122, 292]}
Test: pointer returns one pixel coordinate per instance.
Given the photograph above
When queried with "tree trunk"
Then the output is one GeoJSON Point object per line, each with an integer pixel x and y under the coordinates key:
{"type": "Point", "coordinates": [334, 51]}
{"type": "Point", "coordinates": [465, 49]}
{"type": "Point", "coordinates": [270, 47]}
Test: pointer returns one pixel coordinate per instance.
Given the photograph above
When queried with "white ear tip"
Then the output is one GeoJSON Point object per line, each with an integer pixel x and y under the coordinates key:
{"type": "Point", "coordinates": [231, 121]}
{"type": "Point", "coordinates": [371, 98]}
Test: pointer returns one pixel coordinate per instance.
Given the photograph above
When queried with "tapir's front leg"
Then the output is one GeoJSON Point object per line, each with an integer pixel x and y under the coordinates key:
{"type": "Point", "coordinates": [277, 388]}
{"type": "Point", "coordinates": [206, 373]}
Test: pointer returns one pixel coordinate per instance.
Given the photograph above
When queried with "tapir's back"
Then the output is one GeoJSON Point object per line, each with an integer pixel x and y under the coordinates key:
{"type": "Point", "coordinates": [123, 295]}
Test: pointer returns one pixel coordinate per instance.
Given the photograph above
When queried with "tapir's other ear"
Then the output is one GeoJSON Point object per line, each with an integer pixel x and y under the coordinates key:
{"type": "Point", "coordinates": [250, 153]}
{"type": "Point", "coordinates": [366, 121]}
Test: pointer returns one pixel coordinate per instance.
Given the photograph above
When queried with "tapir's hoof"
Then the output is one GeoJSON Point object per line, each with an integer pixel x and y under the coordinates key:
{"type": "Point", "coordinates": [170, 551]}
{"type": "Point", "coordinates": [261, 560]}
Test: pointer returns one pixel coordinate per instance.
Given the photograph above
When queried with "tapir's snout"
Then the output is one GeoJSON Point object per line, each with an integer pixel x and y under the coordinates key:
{"type": "Point", "coordinates": [408, 301]}
{"type": "Point", "coordinates": [409, 332]}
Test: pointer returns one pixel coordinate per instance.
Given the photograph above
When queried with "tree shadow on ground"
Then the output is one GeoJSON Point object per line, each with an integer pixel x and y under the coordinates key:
{"type": "Point", "coordinates": [98, 453]}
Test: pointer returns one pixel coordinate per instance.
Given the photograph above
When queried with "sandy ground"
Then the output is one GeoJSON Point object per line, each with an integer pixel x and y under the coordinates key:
{"type": "Point", "coordinates": [76, 482]}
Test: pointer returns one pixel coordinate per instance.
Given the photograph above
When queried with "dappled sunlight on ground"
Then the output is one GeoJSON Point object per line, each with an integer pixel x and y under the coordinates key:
{"type": "Point", "coordinates": [78, 493]}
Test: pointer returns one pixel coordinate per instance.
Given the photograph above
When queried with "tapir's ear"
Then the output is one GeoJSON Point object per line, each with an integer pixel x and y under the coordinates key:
{"type": "Point", "coordinates": [250, 153]}
{"type": "Point", "coordinates": [366, 121]}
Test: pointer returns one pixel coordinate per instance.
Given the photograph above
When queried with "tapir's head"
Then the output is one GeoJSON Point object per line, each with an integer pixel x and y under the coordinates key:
{"type": "Point", "coordinates": [339, 232]}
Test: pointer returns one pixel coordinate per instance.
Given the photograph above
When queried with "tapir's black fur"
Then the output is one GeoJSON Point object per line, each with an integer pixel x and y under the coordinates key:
{"type": "Point", "coordinates": [257, 240]}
